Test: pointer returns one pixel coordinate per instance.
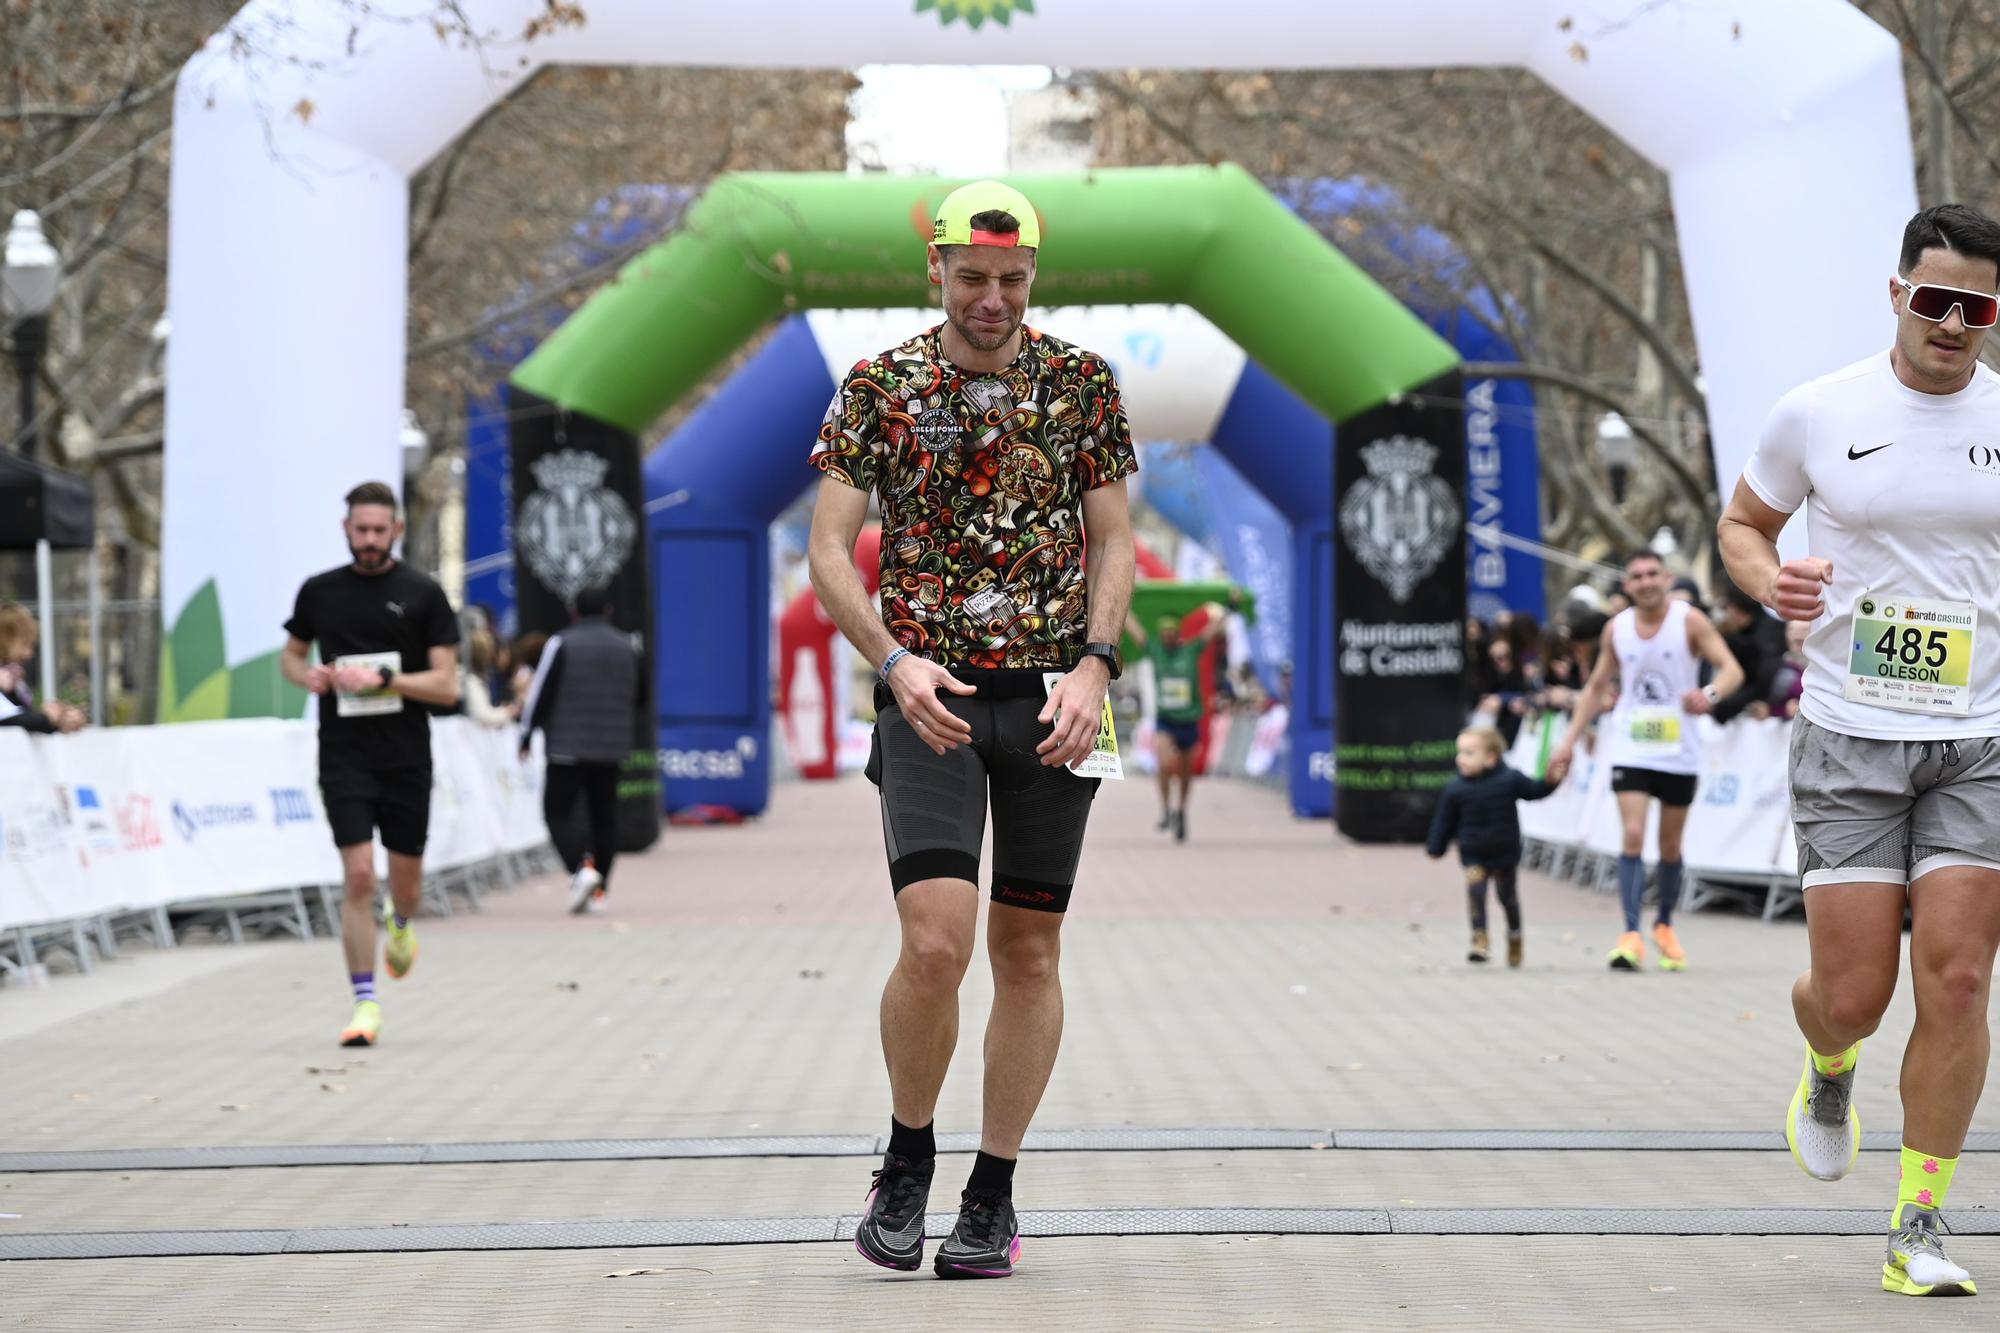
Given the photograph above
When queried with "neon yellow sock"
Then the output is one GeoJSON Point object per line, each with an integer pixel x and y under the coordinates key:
{"type": "Point", "coordinates": [1922, 1182]}
{"type": "Point", "coordinates": [1836, 1064]}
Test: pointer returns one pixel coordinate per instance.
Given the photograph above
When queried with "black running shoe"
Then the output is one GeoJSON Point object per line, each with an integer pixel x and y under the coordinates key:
{"type": "Point", "coordinates": [892, 1229]}
{"type": "Point", "coordinates": [1180, 825]}
{"type": "Point", "coordinates": [986, 1242]}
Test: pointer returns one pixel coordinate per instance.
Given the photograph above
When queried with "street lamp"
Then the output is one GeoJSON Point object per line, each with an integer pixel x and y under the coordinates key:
{"type": "Point", "coordinates": [415, 442]}
{"type": "Point", "coordinates": [1619, 451]}
{"type": "Point", "coordinates": [29, 272]}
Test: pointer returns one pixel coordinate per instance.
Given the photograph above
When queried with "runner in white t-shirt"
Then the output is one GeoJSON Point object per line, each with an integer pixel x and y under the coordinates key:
{"type": "Point", "coordinates": [1651, 655]}
{"type": "Point", "coordinates": [1895, 767]}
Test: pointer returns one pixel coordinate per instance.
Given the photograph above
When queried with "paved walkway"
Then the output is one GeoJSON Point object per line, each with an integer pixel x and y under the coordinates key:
{"type": "Point", "coordinates": [1262, 977]}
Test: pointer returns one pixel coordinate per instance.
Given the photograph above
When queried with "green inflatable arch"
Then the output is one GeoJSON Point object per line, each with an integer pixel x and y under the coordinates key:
{"type": "Point", "coordinates": [758, 245]}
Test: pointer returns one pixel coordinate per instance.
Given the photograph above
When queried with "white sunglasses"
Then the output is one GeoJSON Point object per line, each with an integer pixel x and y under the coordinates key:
{"type": "Point", "coordinates": [1927, 300]}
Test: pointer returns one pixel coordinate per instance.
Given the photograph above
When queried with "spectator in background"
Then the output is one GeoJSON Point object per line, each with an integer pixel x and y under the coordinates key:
{"type": "Point", "coordinates": [586, 691]}
{"type": "Point", "coordinates": [1524, 632]}
{"type": "Point", "coordinates": [18, 634]}
{"type": "Point", "coordinates": [1758, 642]}
{"type": "Point", "coordinates": [1789, 684]}
{"type": "Point", "coordinates": [475, 682]}
{"type": "Point", "coordinates": [1686, 590]}
{"type": "Point", "coordinates": [1505, 690]}
{"type": "Point", "coordinates": [1476, 638]}
{"type": "Point", "coordinates": [527, 655]}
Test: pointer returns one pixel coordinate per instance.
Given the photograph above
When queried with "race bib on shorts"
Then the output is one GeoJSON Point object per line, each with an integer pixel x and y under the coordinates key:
{"type": "Point", "coordinates": [1654, 732]}
{"type": "Point", "coordinates": [370, 702]}
{"type": "Point", "coordinates": [1103, 760]}
{"type": "Point", "coordinates": [1913, 654]}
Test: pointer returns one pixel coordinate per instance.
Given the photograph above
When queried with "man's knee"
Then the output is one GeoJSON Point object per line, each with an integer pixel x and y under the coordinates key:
{"type": "Point", "coordinates": [360, 882]}
{"type": "Point", "coordinates": [1854, 1006]}
{"type": "Point", "coordinates": [1953, 990]}
{"type": "Point", "coordinates": [935, 957]}
{"type": "Point", "coordinates": [1025, 958]}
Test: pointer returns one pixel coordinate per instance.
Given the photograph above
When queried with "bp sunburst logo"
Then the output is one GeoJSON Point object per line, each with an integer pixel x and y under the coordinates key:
{"type": "Point", "coordinates": [976, 12]}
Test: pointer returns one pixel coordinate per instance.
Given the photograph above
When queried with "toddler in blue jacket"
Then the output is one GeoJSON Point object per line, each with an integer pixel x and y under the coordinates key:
{"type": "Point", "coordinates": [1477, 810]}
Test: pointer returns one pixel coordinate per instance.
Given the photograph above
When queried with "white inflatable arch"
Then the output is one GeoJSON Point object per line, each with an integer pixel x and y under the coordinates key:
{"type": "Point", "coordinates": [1781, 125]}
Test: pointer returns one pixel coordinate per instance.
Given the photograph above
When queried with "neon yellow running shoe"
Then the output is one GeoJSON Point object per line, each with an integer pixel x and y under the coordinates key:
{"type": "Point", "coordinates": [366, 1025]}
{"type": "Point", "coordinates": [1822, 1128]}
{"type": "Point", "coordinates": [1629, 955]}
{"type": "Point", "coordinates": [1916, 1264]}
{"type": "Point", "coordinates": [1673, 958]}
{"type": "Point", "coordinates": [401, 954]}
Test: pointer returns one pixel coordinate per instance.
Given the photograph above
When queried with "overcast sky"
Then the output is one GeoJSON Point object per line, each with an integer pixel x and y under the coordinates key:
{"type": "Point", "coordinates": [946, 119]}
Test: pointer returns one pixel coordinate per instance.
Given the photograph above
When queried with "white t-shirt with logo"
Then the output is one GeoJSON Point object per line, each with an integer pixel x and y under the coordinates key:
{"type": "Point", "coordinates": [1902, 493]}
{"type": "Point", "coordinates": [1648, 728]}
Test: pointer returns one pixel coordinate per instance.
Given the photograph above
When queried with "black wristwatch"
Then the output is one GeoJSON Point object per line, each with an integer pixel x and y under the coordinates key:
{"type": "Point", "coordinates": [1109, 652]}
{"type": "Point", "coordinates": [387, 676]}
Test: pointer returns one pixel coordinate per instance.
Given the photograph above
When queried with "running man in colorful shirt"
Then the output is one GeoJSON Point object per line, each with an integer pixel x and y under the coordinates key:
{"type": "Point", "coordinates": [993, 448]}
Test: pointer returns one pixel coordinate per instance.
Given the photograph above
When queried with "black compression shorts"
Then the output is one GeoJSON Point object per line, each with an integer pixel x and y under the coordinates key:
{"type": "Point", "coordinates": [361, 799]}
{"type": "Point", "coordinates": [1671, 788]}
{"type": "Point", "coordinates": [934, 806]}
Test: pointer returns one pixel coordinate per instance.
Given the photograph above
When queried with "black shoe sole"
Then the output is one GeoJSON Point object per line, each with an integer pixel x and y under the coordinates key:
{"type": "Point", "coordinates": [893, 1265]}
{"type": "Point", "coordinates": [965, 1272]}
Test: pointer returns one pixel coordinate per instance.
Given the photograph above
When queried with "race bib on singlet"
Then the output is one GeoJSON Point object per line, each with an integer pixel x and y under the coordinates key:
{"type": "Point", "coordinates": [1913, 654]}
{"type": "Point", "coordinates": [370, 702]}
{"type": "Point", "coordinates": [1654, 733]}
{"type": "Point", "coordinates": [1103, 760]}
{"type": "Point", "coordinates": [1176, 692]}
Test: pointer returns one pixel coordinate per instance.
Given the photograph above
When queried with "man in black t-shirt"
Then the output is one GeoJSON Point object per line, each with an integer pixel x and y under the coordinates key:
{"type": "Point", "coordinates": [387, 648]}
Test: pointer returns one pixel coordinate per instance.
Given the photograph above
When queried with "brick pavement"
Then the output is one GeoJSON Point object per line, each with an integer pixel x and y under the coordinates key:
{"type": "Point", "coordinates": [1262, 975]}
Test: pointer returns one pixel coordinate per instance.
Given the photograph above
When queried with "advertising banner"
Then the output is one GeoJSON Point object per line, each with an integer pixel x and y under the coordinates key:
{"type": "Point", "coordinates": [1399, 598]}
{"type": "Point", "coordinates": [580, 523]}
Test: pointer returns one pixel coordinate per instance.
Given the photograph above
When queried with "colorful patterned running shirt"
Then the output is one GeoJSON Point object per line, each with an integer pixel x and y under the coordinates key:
{"type": "Point", "coordinates": [981, 479]}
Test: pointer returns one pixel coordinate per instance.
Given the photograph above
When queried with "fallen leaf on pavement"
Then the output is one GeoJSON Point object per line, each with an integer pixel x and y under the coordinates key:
{"type": "Point", "coordinates": [649, 1272]}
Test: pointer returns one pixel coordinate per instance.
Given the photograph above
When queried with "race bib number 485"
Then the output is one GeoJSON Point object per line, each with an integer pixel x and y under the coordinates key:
{"type": "Point", "coordinates": [1913, 654]}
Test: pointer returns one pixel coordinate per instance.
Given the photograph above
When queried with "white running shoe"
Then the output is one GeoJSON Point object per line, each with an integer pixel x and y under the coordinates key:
{"type": "Point", "coordinates": [582, 884]}
{"type": "Point", "coordinates": [1822, 1128]}
{"type": "Point", "coordinates": [1916, 1265]}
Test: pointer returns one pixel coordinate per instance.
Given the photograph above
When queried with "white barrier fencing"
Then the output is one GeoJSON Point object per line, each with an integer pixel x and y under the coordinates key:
{"type": "Point", "coordinates": [1738, 835]}
{"type": "Point", "coordinates": [147, 819]}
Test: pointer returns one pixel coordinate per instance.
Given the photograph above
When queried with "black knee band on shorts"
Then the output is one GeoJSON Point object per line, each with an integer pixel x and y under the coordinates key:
{"type": "Point", "coordinates": [933, 863]}
{"type": "Point", "coordinates": [1033, 894]}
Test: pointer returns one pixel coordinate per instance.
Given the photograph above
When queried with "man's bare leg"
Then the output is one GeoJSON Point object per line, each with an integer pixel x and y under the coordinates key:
{"type": "Point", "coordinates": [406, 883]}
{"type": "Point", "coordinates": [1024, 1030]}
{"type": "Point", "coordinates": [920, 1001]}
{"type": "Point", "coordinates": [1955, 914]}
{"type": "Point", "coordinates": [357, 907]}
{"type": "Point", "coordinates": [1855, 937]}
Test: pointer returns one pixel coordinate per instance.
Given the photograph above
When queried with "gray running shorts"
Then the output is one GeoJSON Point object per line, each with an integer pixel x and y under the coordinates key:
{"type": "Point", "coordinates": [1890, 812]}
{"type": "Point", "coordinates": [934, 806]}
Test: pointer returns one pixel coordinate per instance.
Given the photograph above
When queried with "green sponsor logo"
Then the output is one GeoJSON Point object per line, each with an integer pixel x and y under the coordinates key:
{"type": "Point", "coordinates": [976, 12]}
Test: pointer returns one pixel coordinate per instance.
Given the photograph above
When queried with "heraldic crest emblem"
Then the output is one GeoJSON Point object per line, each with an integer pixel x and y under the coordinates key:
{"type": "Point", "coordinates": [574, 531]}
{"type": "Point", "coordinates": [1401, 518]}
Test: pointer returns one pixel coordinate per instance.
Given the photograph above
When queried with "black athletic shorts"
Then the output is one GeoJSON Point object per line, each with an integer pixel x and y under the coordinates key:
{"type": "Point", "coordinates": [1187, 735]}
{"type": "Point", "coordinates": [360, 799]}
{"type": "Point", "coordinates": [934, 806]}
{"type": "Point", "coordinates": [1670, 788]}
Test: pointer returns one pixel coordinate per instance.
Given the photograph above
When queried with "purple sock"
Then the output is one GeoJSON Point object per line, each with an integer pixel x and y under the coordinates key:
{"type": "Point", "coordinates": [402, 922]}
{"type": "Point", "coordinates": [364, 985]}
